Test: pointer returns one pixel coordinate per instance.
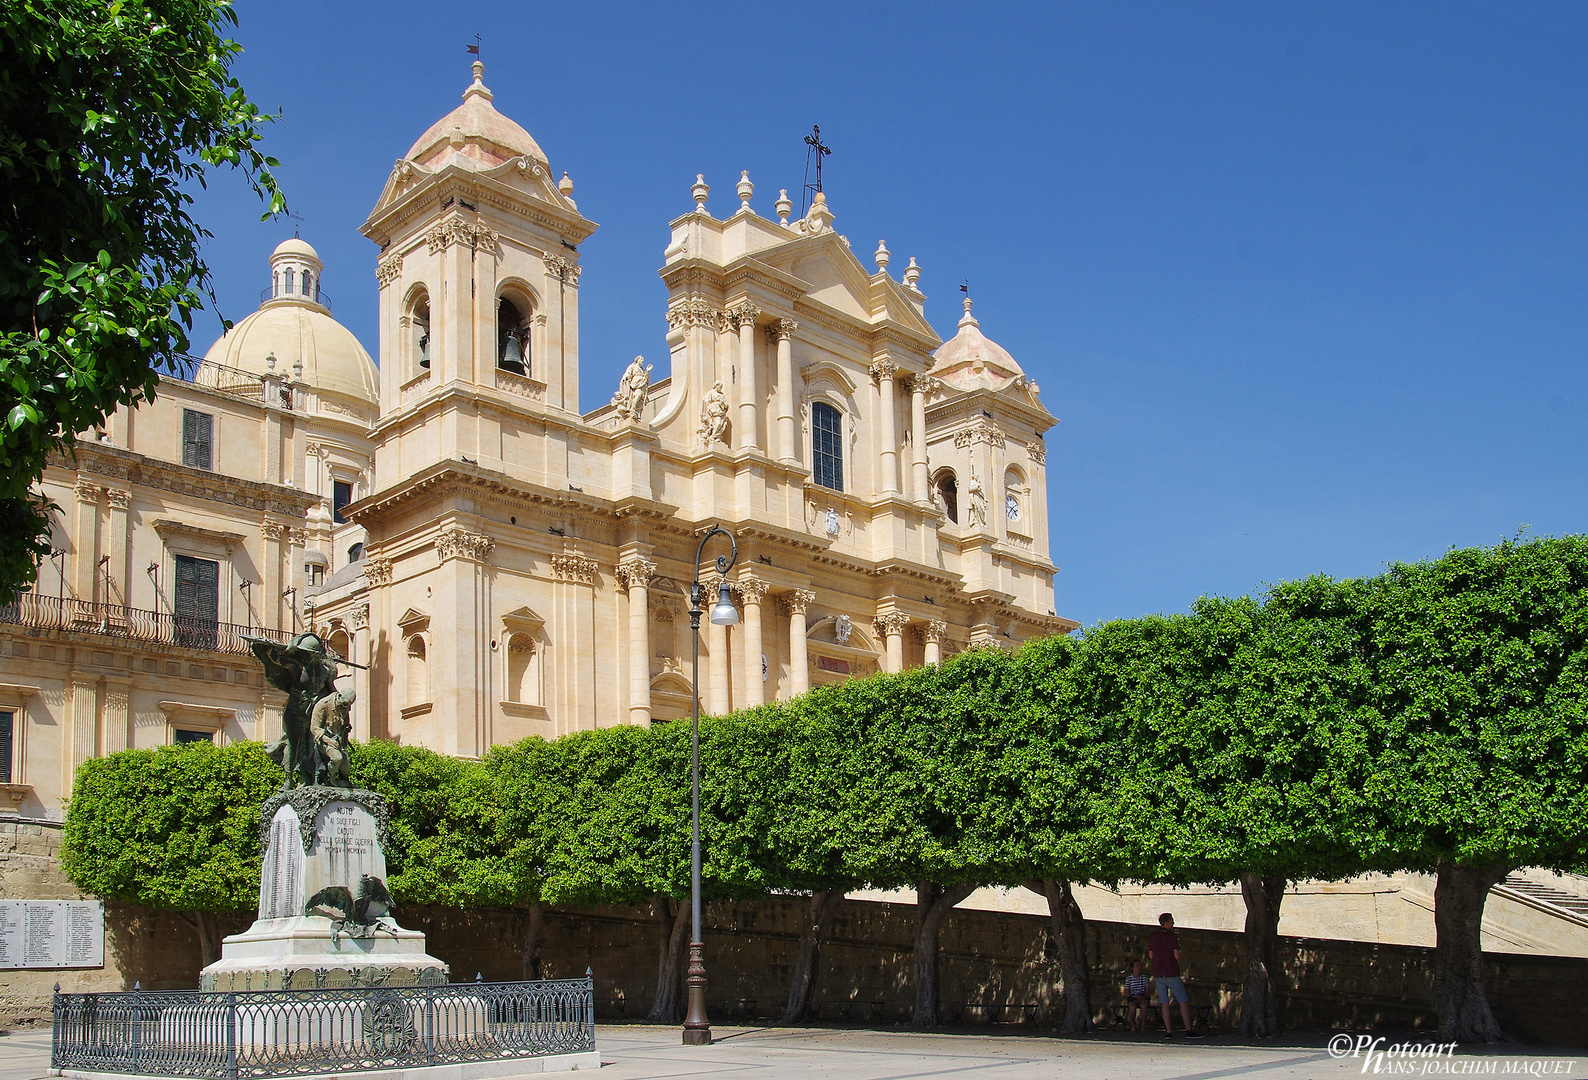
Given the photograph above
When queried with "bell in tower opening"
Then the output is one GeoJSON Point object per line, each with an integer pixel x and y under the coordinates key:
{"type": "Point", "coordinates": [511, 337]}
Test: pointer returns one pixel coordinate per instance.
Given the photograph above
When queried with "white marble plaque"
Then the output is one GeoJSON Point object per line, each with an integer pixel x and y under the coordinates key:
{"type": "Point", "coordinates": [52, 934]}
{"type": "Point", "coordinates": [281, 894]}
{"type": "Point", "coordinates": [346, 847]}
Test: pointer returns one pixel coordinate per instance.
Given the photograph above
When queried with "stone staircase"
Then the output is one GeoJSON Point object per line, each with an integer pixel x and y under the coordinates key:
{"type": "Point", "coordinates": [1547, 895]}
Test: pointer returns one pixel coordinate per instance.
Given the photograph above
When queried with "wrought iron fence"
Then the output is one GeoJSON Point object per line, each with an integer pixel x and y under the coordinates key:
{"type": "Point", "coordinates": [300, 1032]}
{"type": "Point", "coordinates": [213, 376]}
{"type": "Point", "coordinates": [132, 624]}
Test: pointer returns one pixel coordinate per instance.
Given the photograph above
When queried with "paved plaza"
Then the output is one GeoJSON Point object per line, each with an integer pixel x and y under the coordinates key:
{"type": "Point", "coordinates": [636, 1051]}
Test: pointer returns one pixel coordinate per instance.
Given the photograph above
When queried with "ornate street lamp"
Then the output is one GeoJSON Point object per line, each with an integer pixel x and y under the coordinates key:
{"type": "Point", "coordinates": [697, 1029]}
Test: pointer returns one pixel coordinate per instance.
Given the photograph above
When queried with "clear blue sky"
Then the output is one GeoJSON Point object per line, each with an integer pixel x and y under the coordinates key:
{"type": "Point", "coordinates": [1303, 283]}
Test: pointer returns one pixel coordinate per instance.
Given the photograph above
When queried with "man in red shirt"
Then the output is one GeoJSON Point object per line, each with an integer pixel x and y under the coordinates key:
{"type": "Point", "coordinates": [1163, 948]}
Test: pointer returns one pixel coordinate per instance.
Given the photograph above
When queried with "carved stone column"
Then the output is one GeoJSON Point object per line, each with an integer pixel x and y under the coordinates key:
{"type": "Point", "coordinates": [460, 670]}
{"type": "Point", "coordinates": [783, 333]}
{"type": "Point", "coordinates": [270, 598]}
{"type": "Point", "coordinates": [636, 574]}
{"type": "Point", "coordinates": [883, 371]}
{"type": "Point", "coordinates": [752, 590]}
{"type": "Point", "coordinates": [744, 316]}
{"type": "Point", "coordinates": [920, 387]}
{"type": "Point", "coordinates": [116, 591]}
{"type": "Point", "coordinates": [892, 627]}
{"type": "Point", "coordinates": [932, 637]}
{"type": "Point", "coordinates": [359, 652]}
{"type": "Point", "coordinates": [85, 535]}
{"type": "Point", "coordinates": [84, 718]}
{"type": "Point", "coordinates": [719, 681]}
{"type": "Point", "coordinates": [794, 606]}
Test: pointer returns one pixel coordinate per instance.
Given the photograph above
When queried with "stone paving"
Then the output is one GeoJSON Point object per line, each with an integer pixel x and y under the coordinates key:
{"type": "Point", "coordinates": [642, 1051]}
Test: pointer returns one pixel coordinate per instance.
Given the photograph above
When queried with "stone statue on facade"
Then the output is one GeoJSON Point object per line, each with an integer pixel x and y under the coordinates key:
{"type": "Point", "coordinates": [978, 501]}
{"type": "Point", "coordinates": [634, 390]}
{"type": "Point", "coordinates": [306, 673]}
{"type": "Point", "coordinates": [714, 414]}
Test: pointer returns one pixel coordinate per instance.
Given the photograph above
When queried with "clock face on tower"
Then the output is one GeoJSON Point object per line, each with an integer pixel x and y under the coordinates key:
{"type": "Point", "coordinates": [1012, 507]}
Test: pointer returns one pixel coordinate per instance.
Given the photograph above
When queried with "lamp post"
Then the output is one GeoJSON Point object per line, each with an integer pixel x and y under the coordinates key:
{"type": "Point", "coordinates": [697, 1029]}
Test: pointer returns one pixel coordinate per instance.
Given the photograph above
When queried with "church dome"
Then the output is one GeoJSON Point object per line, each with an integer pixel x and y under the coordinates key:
{"type": "Point", "coordinates": [474, 135]}
{"type": "Point", "coordinates": [294, 324]}
{"type": "Point", "coordinates": [970, 358]}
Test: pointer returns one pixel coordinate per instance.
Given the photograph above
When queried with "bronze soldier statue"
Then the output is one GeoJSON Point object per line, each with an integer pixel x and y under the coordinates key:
{"type": "Point", "coordinates": [306, 673]}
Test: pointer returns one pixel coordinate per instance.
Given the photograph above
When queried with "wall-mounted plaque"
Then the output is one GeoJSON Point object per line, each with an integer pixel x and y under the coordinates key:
{"type": "Point", "coordinates": [52, 934]}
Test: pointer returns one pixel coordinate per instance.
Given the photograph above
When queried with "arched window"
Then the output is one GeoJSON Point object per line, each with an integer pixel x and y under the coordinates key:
{"type": "Point", "coordinates": [418, 675]}
{"type": "Point", "coordinates": [355, 553]}
{"type": "Point", "coordinates": [1014, 498]}
{"type": "Point", "coordinates": [339, 644]}
{"type": "Point", "coordinates": [308, 284]}
{"type": "Point", "coordinates": [947, 488]}
{"type": "Point", "coordinates": [275, 283]}
{"type": "Point", "coordinates": [289, 280]}
{"type": "Point", "coordinates": [420, 328]}
{"type": "Point", "coordinates": [521, 684]}
{"type": "Point", "coordinates": [827, 446]}
{"type": "Point", "coordinates": [512, 338]}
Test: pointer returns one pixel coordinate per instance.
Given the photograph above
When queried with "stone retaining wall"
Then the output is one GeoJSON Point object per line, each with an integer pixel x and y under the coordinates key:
{"type": "Point", "coordinates": [987, 959]}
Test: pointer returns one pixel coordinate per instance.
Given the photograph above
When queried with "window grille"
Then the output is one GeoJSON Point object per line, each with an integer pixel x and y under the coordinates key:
{"type": "Point", "coordinates": [197, 602]}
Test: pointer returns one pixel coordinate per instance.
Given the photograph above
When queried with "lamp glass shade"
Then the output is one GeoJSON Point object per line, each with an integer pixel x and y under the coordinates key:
{"type": "Point", "coordinates": [723, 613]}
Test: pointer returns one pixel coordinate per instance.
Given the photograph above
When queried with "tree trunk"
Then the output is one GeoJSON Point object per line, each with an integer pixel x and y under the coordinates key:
{"type": "Point", "coordinates": [673, 923]}
{"type": "Point", "coordinates": [1459, 895]}
{"type": "Point", "coordinates": [932, 905]}
{"type": "Point", "coordinates": [1069, 932]}
{"type": "Point", "coordinates": [1263, 894]}
{"type": "Point", "coordinates": [822, 907]}
{"type": "Point", "coordinates": [208, 925]}
{"type": "Point", "coordinates": [533, 918]}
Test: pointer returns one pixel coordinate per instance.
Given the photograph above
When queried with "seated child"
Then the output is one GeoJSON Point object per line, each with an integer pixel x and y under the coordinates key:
{"type": "Point", "coordinates": [1136, 985]}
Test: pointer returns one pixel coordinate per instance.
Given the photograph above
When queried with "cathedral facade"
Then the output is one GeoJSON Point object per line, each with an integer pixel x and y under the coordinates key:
{"type": "Point", "coordinates": [498, 561]}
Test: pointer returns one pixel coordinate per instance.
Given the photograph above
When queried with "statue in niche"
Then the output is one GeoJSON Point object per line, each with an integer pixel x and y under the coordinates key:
{"type": "Point", "coordinates": [978, 501]}
{"type": "Point", "coordinates": [714, 415]}
{"type": "Point", "coordinates": [306, 673]}
{"type": "Point", "coordinates": [634, 389]}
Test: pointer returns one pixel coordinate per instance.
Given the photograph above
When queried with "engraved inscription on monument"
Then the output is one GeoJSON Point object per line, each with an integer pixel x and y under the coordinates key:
{"type": "Point", "coordinates": [52, 934]}
{"type": "Point", "coordinates": [281, 882]}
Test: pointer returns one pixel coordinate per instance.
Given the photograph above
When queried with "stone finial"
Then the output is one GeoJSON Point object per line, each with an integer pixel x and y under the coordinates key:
{"type": "Point", "coordinates": [565, 186]}
{"type": "Point", "coordinates": [882, 256]}
{"type": "Point", "coordinates": [270, 362]}
{"type": "Point", "coordinates": [968, 319]}
{"type": "Point", "coordinates": [700, 191]}
{"type": "Point", "coordinates": [912, 274]}
{"type": "Point", "coordinates": [784, 206]}
{"type": "Point", "coordinates": [744, 190]}
{"type": "Point", "coordinates": [478, 86]}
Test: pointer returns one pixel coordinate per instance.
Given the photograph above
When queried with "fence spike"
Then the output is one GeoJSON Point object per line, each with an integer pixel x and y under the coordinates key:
{"type": "Point", "coordinates": [137, 984]}
{"type": "Point", "coordinates": [479, 976]}
{"type": "Point", "coordinates": [57, 988]}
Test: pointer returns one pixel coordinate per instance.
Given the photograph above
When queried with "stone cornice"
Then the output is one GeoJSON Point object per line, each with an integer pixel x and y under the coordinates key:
{"type": "Point", "coordinates": [137, 470]}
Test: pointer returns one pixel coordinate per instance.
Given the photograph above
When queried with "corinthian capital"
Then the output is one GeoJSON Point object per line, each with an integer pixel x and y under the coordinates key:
{"type": "Point", "coordinates": [752, 589]}
{"type": "Point", "coordinates": [743, 314]}
{"type": "Point", "coordinates": [884, 369]}
{"type": "Point", "coordinates": [636, 573]}
{"type": "Point", "coordinates": [892, 623]}
{"type": "Point", "coordinates": [796, 602]}
{"type": "Point", "coordinates": [462, 544]}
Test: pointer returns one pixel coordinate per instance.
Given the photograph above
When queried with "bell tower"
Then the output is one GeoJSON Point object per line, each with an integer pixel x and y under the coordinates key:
{"type": "Point", "coordinates": [479, 281]}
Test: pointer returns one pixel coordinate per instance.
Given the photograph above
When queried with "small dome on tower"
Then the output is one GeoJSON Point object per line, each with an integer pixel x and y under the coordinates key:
{"type": "Point", "coordinates": [295, 247]}
{"type": "Point", "coordinates": [474, 135]}
{"type": "Point", "coordinates": [970, 359]}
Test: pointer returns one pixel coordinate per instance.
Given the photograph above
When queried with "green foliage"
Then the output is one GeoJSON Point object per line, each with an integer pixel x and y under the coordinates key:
{"type": "Point", "coordinates": [174, 828]}
{"type": "Point", "coordinates": [109, 113]}
{"type": "Point", "coordinates": [1433, 713]}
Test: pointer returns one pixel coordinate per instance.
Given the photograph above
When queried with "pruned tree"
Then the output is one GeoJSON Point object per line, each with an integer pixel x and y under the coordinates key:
{"type": "Point", "coordinates": [110, 114]}
{"type": "Point", "coordinates": [175, 829]}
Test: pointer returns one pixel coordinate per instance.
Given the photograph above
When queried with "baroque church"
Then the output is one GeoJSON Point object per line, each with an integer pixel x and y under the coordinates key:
{"type": "Point", "coordinates": [498, 561]}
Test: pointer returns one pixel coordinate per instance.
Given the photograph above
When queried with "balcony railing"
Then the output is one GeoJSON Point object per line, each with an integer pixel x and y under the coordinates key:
{"type": "Point", "coordinates": [281, 292]}
{"type": "Point", "coordinates": [132, 624]}
{"type": "Point", "coordinates": [227, 380]}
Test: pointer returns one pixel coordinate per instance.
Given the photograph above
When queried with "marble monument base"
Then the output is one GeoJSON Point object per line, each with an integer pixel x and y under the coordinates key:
{"type": "Point", "coordinates": [323, 919]}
